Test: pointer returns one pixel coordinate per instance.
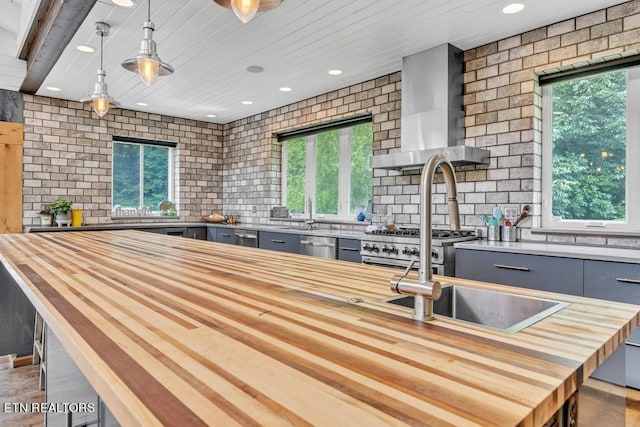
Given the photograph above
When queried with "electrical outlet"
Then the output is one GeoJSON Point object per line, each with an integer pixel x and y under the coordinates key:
{"type": "Point", "coordinates": [510, 212]}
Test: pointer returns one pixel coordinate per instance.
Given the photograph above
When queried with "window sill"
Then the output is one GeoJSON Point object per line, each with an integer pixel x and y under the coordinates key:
{"type": "Point", "coordinates": [323, 221]}
{"type": "Point", "coordinates": [583, 232]}
{"type": "Point", "coordinates": [152, 217]}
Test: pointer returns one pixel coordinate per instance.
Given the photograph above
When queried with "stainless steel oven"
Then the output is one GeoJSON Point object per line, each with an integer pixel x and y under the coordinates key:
{"type": "Point", "coordinates": [398, 247]}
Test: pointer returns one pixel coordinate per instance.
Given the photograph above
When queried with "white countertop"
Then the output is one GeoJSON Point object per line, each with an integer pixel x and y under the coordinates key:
{"type": "Point", "coordinates": [601, 253]}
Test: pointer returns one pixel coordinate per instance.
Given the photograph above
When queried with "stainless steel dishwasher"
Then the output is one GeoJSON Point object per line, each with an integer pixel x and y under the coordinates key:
{"type": "Point", "coordinates": [323, 247]}
{"type": "Point", "coordinates": [246, 238]}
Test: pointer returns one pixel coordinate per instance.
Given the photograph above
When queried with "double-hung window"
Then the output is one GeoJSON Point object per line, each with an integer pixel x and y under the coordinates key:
{"type": "Point", "coordinates": [327, 168]}
{"type": "Point", "coordinates": [591, 151]}
{"type": "Point", "coordinates": [142, 175]}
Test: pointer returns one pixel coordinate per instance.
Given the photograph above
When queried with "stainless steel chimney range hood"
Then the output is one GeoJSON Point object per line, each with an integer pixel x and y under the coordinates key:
{"type": "Point", "coordinates": [432, 112]}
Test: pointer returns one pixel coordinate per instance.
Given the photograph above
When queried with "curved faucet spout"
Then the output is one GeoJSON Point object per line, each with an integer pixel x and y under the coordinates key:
{"type": "Point", "coordinates": [425, 289]}
{"type": "Point", "coordinates": [426, 187]}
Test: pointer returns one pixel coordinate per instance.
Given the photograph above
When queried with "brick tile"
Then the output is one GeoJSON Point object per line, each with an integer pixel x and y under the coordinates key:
{"type": "Point", "coordinates": [487, 49]}
{"type": "Point", "coordinates": [546, 44]}
{"type": "Point", "coordinates": [574, 37]}
{"type": "Point", "coordinates": [592, 46]}
{"type": "Point", "coordinates": [534, 36]}
{"type": "Point", "coordinates": [624, 9]}
{"type": "Point", "coordinates": [521, 51]}
{"type": "Point", "coordinates": [591, 19]}
{"type": "Point", "coordinates": [606, 29]}
{"type": "Point", "coordinates": [631, 22]}
{"type": "Point", "coordinates": [509, 43]}
{"type": "Point", "coordinates": [561, 27]}
{"type": "Point", "coordinates": [625, 38]}
{"type": "Point", "coordinates": [487, 72]}
{"type": "Point", "coordinates": [563, 53]}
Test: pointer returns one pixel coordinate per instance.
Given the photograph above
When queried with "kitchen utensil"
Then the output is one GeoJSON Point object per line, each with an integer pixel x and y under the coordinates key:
{"type": "Point", "coordinates": [525, 213]}
{"type": "Point", "coordinates": [484, 218]}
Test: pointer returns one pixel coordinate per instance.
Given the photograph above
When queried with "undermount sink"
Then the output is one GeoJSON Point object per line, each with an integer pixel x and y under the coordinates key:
{"type": "Point", "coordinates": [497, 310]}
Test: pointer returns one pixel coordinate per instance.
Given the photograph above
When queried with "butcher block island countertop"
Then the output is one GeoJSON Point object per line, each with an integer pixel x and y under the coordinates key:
{"type": "Point", "coordinates": [174, 331]}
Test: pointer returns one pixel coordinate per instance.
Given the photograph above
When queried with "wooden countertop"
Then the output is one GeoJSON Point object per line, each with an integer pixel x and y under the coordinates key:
{"type": "Point", "coordinates": [174, 331]}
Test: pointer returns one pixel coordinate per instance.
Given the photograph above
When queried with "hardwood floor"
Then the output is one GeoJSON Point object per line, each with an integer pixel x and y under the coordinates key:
{"type": "Point", "coordinates": [19, 385]}
{"type": "Point", "coordinates": [601, 404]}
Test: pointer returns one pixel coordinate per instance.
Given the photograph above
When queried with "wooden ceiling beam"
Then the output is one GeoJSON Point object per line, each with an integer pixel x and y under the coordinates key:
{"type": "Point", "coordinates": [55, 24]}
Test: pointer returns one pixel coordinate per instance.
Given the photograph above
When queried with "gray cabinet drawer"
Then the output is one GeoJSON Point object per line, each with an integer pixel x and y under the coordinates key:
{"type": "Point", "coordinates": [220, 235]}
{"type": "Point", "coordinates": [225, 235]}
{"type": "Point", "coordinates": [545, 273]}
{"type": "Point", "coordinates": [283, 242]}
{"type": "Point", "coordinates": [613, 281]}
{"type": "Point", "coordinates": [349, 250]}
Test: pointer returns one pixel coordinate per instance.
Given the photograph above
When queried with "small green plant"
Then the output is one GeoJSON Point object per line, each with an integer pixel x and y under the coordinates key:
{"type": "Point", "coordinates": [45, 211]}
{"type": "Point", "coordinates": [61, 206]}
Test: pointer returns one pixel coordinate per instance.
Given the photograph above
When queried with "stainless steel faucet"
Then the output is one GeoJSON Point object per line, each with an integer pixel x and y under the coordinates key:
{"type": "Point", "coordinates": [310, 221]}
{"type": "Point", "coordinates": [426, 290]}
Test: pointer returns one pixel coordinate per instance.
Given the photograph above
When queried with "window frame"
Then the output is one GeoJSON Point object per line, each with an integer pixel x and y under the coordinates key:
{"type": "Point", "coordinates": [344, 170]}
{"type": "Point", "coordinates": [142, 143]}
{"type": "Point", "coordinates": [632, 171]}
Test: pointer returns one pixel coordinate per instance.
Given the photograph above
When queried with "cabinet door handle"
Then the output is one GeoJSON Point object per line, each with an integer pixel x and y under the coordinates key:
{"type": "Point", "coordinates": [511, 267]}
{"type": "Point", "coordinates": [345, 248]}
{"type": "Point", "coordinates": [623, 280]}
{"type": "Point", "coordinates": [243, 236]}
{"type": "Point", "coordinates": [277, 241]}
{"type": "Point", "coordinates": [225, 234]}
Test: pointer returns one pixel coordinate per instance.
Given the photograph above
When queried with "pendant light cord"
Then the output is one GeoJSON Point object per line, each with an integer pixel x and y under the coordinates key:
{"type": "Point", "coordinates": [149, 11]}
{"type": "Point", "coordinates": [101, 47]}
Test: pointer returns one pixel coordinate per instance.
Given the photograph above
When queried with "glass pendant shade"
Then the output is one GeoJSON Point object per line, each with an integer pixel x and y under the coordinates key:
{"type": "Point", "coordinates": [245, 10]}
{"type": "Point", "coordinates": [147, 64]}
{"type": "Point", "coordinates": [148, 70]}
{"type": "Point", "coordinates": [101, 106]}
{"type": "Point", "coordinates": [99, 99]}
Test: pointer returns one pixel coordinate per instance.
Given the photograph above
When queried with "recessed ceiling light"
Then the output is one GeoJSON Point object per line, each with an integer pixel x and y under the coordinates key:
{"type": "Point", "coordinates": [285, 89]}
{"type": "Point", "coordinates": [142, 104]}
{"type": "Point", "coordinates": [247, 102]}
{"type": "Point", "coordinates": [255, 69]}
{"type": "Point", "coordinates": [84, 48]}
{"type": "Point", "coordinates": [124, 3]}
{"type": "Point", "coordinates": [211, 115]}
{"type": "Point", "coordinates": [513, 8]}
{"type": "Point", "coordinates": [53, 88]}
{"type": "Point", "coordinates": [335, 72]}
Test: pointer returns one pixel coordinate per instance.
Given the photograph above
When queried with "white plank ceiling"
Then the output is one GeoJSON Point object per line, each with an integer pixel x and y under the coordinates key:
{"type": "Point", "coordinates": [296, 44]}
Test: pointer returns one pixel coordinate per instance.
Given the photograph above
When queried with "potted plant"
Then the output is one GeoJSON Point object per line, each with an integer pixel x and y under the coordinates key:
{"type": "Point", "coordinates": [61, 208]}
{"type": "Point", "coordinates": [45, 216]}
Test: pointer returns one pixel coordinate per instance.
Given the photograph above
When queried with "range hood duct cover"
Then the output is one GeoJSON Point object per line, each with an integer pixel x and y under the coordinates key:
{"type": "Point", "coordinates": [432, 112]}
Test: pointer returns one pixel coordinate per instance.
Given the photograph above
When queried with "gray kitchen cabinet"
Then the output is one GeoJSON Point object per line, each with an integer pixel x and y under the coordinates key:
{"type": "Point", "coordinates": [220, 235]}
{"type": "Point", "coordinates": [349, 250]}
{"type": "Point", "coordinates": [65, 384]}
{"type": "Point", "coordinates": [617, 281]}
{"type": "Point", "coordinates": [283, 242]}
{"type": "Point", "coordinates": [545, 273]}
{"type": "Point", "coordinates": [17, 317]}
{"type": "Point", "coordinates": [198, 233]}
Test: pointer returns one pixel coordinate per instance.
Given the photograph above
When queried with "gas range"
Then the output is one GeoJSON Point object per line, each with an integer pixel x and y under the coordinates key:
{"type": "Point", "coordinates": [398, 247]}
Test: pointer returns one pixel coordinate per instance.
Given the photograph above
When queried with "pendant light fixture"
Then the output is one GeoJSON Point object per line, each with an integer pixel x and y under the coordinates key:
{"type": "Point", "coordinates": [100, 99]}
{"type": "Point", "coordinates": [147, 64]}
{"type": "Point", "coordinates": [245, 10]}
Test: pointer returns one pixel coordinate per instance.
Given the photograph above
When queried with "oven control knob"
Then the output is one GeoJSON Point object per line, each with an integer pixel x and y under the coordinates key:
{"type": "Point", "coordinates": [375, 248]}
{"type": "Point", "coordinates": [406, 251]}
{"type": "Point", "coordinates": [386, 249]}
{"type": "Point", "coordinates": [366, 247]}
{"type": "Point", "coordinates": [434, 254]}
{"type": "Point", "coordinates": [415, 252]}
{"type": "Point", "coordinates": [393, 250]}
